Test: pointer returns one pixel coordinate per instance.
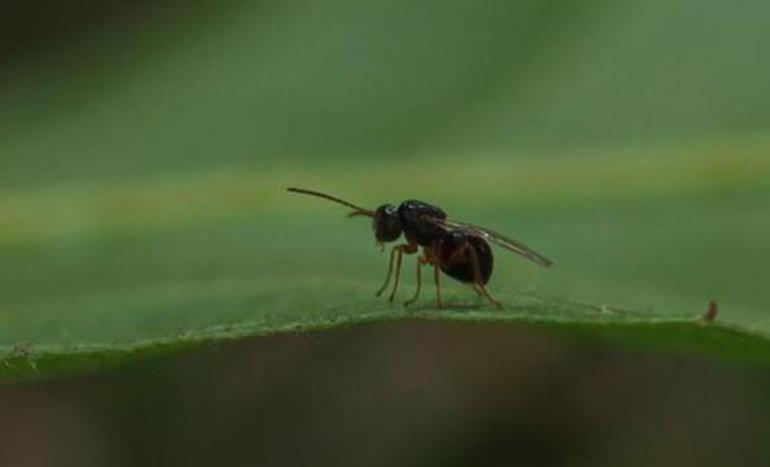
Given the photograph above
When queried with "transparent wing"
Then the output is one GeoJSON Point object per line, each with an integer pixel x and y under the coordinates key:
{"type": "Point", "coordinates": [495, 237]}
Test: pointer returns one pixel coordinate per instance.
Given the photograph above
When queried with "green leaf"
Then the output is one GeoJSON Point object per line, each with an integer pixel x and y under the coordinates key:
{"type": "Point", "coordinates": [144, 209]}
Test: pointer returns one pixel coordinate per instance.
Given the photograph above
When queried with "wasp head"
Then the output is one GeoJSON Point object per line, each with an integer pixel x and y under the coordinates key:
{"type": "Point", "coordinates": [387, 223]}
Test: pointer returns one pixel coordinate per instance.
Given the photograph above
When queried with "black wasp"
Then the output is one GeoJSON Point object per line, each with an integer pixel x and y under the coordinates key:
{"type": "Point", "coordinates": [458, 249]}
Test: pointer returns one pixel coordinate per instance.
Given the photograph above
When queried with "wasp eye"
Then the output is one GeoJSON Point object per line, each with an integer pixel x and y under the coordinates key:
{"type": "Point", "coordinates": [387, 224]}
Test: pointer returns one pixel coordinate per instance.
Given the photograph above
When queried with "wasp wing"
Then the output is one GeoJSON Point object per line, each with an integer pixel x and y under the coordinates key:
{"type": "Point", "coordinates": [494, 237]}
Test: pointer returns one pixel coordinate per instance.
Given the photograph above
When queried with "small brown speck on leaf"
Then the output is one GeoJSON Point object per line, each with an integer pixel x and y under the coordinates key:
{"type": "Point", "coordinates": [711, 312]}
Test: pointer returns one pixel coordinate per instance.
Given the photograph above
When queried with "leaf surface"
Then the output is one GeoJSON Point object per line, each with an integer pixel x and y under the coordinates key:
{"type": "Point", "coordinates": [143, 204]}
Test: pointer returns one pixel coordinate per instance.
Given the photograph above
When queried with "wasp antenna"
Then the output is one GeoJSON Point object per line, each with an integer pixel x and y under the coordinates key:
{"type": "Point", "coordinates": [359, 211]}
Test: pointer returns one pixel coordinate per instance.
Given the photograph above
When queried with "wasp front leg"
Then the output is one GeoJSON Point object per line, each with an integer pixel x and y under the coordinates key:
{"type": "Point", "coordinates": [399, 252]}
{"type": "Point", "coordinates": [390, 271]}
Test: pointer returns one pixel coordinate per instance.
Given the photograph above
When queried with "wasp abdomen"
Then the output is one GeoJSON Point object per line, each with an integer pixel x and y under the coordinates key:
{"type": "Point", "coordinates": [457, 253]}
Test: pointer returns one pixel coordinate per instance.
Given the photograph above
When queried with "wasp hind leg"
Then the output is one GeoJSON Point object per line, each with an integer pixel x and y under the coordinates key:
{"type": "Point", "coordinates": [478, 284]}
{"type": "Point", "coordinates": [485, 292]}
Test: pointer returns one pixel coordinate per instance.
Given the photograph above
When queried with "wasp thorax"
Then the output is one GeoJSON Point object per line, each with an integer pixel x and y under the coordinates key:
{"type": "Point", "coordinates": [387, 224]}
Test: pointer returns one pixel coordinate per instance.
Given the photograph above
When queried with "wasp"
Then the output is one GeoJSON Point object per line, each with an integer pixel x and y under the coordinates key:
{"type": "Point", "coordinates": [458, 249]}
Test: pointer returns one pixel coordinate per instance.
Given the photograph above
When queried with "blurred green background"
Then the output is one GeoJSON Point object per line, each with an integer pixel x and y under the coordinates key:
{"type": "Point", "coordinates": [144, 149]}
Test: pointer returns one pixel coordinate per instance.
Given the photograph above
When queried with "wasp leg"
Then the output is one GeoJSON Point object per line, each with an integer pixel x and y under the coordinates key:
{"type": "Point", "coordinates": [408, 249]}
{"type": "Point", "coordinates": [437, 280]}
{"type": "Point", "coordinates": [477, 275]}
{"type": "Point", "coordinates": [475, 288]}
{"type": "Point", "coordinates": [420, 261]}
{"type": "Point", "coordinates": [489, 297]}
{"type": "Point", "coordinates": [390, 271]}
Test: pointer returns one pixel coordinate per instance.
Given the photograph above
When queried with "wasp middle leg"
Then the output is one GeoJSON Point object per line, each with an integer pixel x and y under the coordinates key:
{"type": "Point", "coordinates": [431, 256]}
{"type": "Point", "coordinates": [420, 262]}
{"type": "Point", "coordinates": [437, 280]}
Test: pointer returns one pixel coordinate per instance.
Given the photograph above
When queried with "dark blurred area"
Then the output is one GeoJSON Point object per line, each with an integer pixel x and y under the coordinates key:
{"type": "Point", "coordinates": [35, 27]}
{"type": "Point", "coordinates": [41, 25]}
{"type": "Point", "coordinates": [407, 394]}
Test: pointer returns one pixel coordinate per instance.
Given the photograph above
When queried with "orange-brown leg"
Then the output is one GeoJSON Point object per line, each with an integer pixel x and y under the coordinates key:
{"type": "Point", "coordinates": [477, 276]}
{"type": "Point", "coordinates": [408, 249]}
{"type": "Point", "coordinates": [489, 297]}
{"type": "Point", "coordinates": [437, 280]}
{"type": "Point", "coordinates": [390, 271]}
{"type": "Point", "coordinates": [420, 261]}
